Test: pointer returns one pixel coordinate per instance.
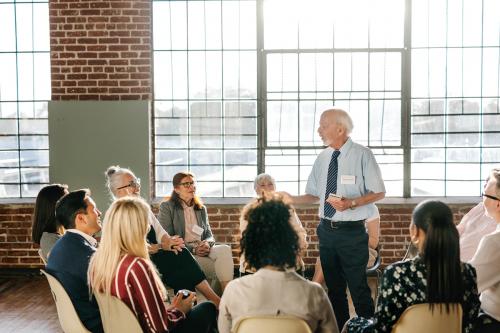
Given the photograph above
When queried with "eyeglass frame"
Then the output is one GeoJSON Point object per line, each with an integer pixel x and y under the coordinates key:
{"type": "Point", "coordinates": [187, 184]}
{"type": "Point", "coordinates": [136, 183]}
{"type": "Point", "coordinates": [490, 197]}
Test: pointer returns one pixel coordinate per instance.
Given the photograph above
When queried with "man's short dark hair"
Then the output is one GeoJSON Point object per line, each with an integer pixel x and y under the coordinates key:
{"type": "Point", "coordinates": [269, 238]}
{"type": "Point", "coordinates": [70, 205]}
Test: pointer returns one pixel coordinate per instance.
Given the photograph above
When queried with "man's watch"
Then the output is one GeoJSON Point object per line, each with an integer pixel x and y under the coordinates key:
{"type": "Point", "coordinates": [353, 204]}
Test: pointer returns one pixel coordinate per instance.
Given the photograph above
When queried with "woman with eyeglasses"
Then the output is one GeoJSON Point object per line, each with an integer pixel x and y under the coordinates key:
{"type": "Point", "coordinates": [435, 276]}
{"type": "Point", "coordinates": [178, 268]}
{"type": "Point", "coordinates": [185, 215]}
{"type": "Point", "coordinates": [46, 229]}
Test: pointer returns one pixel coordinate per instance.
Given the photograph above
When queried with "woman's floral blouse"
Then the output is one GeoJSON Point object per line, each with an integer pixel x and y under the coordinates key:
{"type": "Point", "coordinates": [404, 284]}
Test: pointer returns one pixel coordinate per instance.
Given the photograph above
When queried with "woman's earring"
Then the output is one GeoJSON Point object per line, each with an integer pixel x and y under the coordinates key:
{"type": "Point", "coordinates": [414, 240]}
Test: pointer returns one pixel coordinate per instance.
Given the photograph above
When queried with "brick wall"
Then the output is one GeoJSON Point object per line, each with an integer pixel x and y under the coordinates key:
{"type": "Point", "coordinates": [17, 251]}
{"type": "Point", "coordinates": [100, 50]}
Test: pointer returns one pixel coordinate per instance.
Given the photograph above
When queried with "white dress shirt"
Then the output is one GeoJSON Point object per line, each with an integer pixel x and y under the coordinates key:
{"type": "Point", "coordinates": [474, 226]}
{"type": "Point", "coordinates": [89, 238]}
{"type": "Point", "coordinates": [486, 261]}
{"type": "Point", "coordinates": [270, 292]}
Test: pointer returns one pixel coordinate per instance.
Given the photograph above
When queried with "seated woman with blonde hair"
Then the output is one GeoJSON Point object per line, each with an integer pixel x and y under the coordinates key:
{"type": "Point", "coordinates": [121, 267]}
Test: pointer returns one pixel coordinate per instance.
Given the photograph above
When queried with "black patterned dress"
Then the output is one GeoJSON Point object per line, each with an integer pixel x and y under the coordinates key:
{"type": "Point", "coordinates": [404, 284]}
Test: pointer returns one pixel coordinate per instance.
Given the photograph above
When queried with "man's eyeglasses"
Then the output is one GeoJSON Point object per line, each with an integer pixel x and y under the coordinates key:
{"type": "Point", "coordinates": [491, 197]}
{"type": "Point", "coordinates": [133, 183]}
{"type": "Point", "coordinates": [187, 184]}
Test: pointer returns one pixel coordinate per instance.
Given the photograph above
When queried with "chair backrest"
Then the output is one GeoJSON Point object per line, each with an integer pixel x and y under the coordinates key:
{"type": "Point", "coordinates": [272, 324]}
{"type": "Point", "coordinates": [68, 318]}
{"type": "Point", "coordinates": [419, 318]}
{"type": "Point", "coordinates": [41, 257]}
{"type": "Point", "coordinates": [116, 315]}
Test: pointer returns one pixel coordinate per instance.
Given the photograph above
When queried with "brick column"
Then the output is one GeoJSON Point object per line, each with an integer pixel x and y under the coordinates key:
{"type": "Point", "coordinates": [100, 50]}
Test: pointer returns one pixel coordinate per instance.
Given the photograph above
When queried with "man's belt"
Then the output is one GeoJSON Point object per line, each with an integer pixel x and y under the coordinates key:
{"type": "Point", "coordinates": [343, 224]}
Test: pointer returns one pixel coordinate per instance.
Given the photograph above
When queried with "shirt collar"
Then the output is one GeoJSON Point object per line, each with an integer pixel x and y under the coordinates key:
{"type": "Point", "coordinates": [346, 146]}
{"type": "Point", "coordinates": [88, 238]}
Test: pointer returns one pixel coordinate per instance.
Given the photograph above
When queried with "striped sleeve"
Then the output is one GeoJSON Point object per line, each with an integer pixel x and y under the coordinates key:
{"type": "Point", "coordinates": [145, 299]}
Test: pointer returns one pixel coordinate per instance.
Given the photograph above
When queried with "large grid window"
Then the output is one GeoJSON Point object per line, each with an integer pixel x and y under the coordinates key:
{"type": "Point", "coordinates": [205, 72]}
{"type": "Point", "coordinates": [24, 91]}
{"type": "Point", "coordinates": [240, 86]}
{"type": "Point", "coordinates": [455, 118]}
{"type": "Point", "coordinates": [323, 53]}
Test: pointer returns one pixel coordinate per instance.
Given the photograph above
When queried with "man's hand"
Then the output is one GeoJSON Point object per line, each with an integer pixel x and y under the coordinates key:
{"type": "Point", "coordinates": [203, 249]}
{"type": "Point", "coordinates": [173, 243]}
{"type": "Point", "coordinates": [339, 204]}
{"type": "Point", "coordinates": [185, 304]}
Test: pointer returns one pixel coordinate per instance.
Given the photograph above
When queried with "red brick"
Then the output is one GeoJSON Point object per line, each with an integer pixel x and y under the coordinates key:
{"type": "Point", "coordinates": [10, 260]}
{"type": "Point", "coordinates": [76, 19]}
{"type": "Point", "coordinates": [107, 83]}
{"type": "Point", "coordinates": [99, 4]}
{"type": "Point", "coordinates": [88, 97]}
{"type": "Point", "coordinates": [119, 33]}
{"type": "Point", "coordinates": [98, 33]}
{"type": "Point", "coordinates": [79, 5]}
{"type": "Point", "coordinates": [118, 90]}
{"type": "Point", "coordinates": [87, 83]}
{"type": "Point", "coordinates": [96, 48]}
{"type": "Point", "coordinates": [90, 12]}
{"type": "Point", "coordinates": [118, 62]}
{"type": "Point", "coordinates": [119, 47]}
{"type": "Point", "coordinates": [109, 97]}
{"type": "Point", "coordinates": [122, 4]}
{"type": "Point", "coordinates": [102, 19]}
{"type": "Point", "coordinates": [76, 34]}
{"type": "Point", "coordinates": [127, 83]}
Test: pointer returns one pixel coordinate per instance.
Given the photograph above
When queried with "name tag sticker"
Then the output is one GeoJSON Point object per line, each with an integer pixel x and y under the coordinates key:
{"type": "Point", "coordinates": [348, 179]}
{"type": "Point", "coordinates": [197, 230]}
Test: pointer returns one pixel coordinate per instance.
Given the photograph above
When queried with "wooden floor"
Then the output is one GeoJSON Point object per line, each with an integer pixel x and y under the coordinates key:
{"type": "Point", "coordinates": [26, 305]}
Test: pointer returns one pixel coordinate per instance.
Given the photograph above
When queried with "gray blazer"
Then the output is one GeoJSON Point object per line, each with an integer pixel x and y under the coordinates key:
{"type": "Point", "coordinates": [172, 220]}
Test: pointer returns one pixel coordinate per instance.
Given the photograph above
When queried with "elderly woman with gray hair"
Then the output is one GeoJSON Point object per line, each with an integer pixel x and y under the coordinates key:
{"type": "Point", "coordinates": [265, 184]}
{"type": "Point", "coordinates": [176, 265]}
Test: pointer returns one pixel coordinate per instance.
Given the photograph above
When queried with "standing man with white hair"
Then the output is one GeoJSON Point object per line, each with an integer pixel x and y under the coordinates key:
{"type": "Point", "coordinates": [346, 180]}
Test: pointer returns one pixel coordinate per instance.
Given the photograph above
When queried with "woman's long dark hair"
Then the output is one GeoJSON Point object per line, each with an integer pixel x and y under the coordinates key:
{"type": "Point", "coordinates": [441, 252]}
{"type": "Point", "coordinates": [176, 181]}
{"type": "Point", "coordinates": [44, 217]}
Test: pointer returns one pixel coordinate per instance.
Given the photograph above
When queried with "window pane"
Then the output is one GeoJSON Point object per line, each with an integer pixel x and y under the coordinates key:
{"type": "Point", "coordinates": [282, 123]}
{"type": "Point", "coordinates": [240, 74]}
{"type": "Point", "coordinates": [8, 79]}
{"type": "Point", "coordinates": [7, 27]}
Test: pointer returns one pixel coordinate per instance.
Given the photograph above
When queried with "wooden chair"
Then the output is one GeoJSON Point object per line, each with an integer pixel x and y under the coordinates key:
{"type": "Point", "coordinates": [272, 324]}
{"type": "Point", "coordinates": [419, 318]}
{"type": "Point", "coordinates": [116, 315]}
{"type": "Point", "coordinates": [375, 271]}
{"type": "Point", "coordinates": [68, 318]}
{"type": "Point", "coordinates": [41, 257]}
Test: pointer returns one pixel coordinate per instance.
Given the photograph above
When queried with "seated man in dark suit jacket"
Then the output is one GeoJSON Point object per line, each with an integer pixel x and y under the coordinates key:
{"type": "Point", "coordinates": [69, 258]}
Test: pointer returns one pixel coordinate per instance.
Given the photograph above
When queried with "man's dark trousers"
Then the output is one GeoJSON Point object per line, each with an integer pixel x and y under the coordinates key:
{"type": "Point", "coordinates": [344, 256]}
